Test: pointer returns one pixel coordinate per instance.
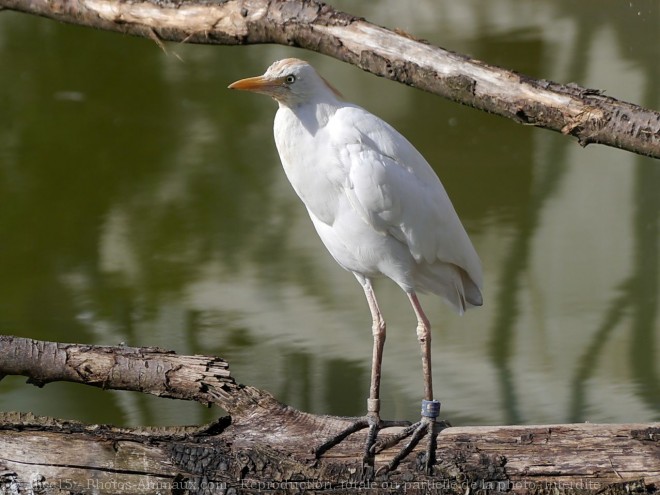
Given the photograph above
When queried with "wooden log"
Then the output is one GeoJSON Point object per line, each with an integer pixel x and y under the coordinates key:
{"type": "Point", "coordinates": [586, 114]}
{"type": "Point", "coordinates": [69, 457]}
{"type": "Point", "coordinates": [265, 446]}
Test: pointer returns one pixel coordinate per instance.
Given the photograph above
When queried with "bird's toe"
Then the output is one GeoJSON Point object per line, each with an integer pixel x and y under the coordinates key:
{"type": "Point", "coordinates": [336, 439]}
{"type": "Point", "coordinates": [414, 433]}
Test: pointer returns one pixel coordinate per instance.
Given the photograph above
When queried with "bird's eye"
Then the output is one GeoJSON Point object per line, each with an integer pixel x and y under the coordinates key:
{"type": "Point", "coordinates": [290, 79]}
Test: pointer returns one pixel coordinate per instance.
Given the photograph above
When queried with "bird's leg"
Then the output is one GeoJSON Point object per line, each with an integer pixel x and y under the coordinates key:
{"type": "Point", "coordinates": [372, 420]}
{"type": "Point", "coordinates": [424, 337]}
{"type": "Point", "coordinates": [430, 407]}
{"type": "Point", "coordinates": [378, 331]}
{"type": "Point", "coordinates": [373, 402]}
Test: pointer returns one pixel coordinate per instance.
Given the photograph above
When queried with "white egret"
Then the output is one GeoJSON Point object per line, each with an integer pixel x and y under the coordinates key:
{"type": "Point", "coordinates": [380, 210]}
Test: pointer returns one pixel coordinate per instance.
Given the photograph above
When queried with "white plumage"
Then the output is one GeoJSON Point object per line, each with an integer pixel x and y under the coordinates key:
{"type": "Point", "coordinates": [376, 203]}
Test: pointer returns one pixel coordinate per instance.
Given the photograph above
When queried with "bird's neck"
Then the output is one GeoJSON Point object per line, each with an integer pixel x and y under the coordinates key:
{"type": "Point", "coordinates": [312, 115]}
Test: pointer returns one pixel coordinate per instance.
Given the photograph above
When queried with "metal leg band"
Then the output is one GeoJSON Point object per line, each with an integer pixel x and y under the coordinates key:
{"type": "Point", "coordinates": [431, 408]}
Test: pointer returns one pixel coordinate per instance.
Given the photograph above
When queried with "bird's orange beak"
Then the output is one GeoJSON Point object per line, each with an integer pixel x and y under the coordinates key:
{"type": "Point", "coordinates": [259, 84]}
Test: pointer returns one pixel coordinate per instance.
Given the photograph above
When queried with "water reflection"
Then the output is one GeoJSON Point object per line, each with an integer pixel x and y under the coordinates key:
{"type": "Point", "coordinates": [143, 203]}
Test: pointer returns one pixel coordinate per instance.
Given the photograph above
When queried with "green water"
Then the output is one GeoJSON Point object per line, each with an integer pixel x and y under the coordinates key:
{"type": "Point", "coordinates": [142, 202]}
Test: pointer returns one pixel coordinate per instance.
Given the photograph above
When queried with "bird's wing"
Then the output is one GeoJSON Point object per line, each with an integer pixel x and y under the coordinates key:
{"type": "Point", "coordinates": [395, 190]}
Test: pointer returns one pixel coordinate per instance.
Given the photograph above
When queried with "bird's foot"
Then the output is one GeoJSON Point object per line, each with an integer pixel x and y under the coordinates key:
{"type": "Point", "coordinates": [415, 432]}
{"type": "Point", "coordinates": [426, 426]}
{"type": "Point", "coordinates": [372, 422]}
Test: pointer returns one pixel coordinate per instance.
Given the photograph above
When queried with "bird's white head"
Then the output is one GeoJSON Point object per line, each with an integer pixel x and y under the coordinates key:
{"type": "Point", "coordinates": [291, 82]}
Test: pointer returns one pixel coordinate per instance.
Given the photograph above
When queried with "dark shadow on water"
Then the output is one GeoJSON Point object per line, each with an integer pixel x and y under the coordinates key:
{"type": "Point", "coordinates": [637, 301]}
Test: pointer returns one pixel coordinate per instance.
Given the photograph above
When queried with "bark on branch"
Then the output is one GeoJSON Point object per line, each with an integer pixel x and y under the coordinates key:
{"type": "Point", "coordinates": [265, 446]}
{"type": "Point", "coordinates": [572, 110]}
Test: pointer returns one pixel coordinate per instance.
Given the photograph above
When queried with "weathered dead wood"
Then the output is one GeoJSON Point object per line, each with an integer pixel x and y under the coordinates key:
{"type": "Point", "coordinates": [584, 113]}
{"type": "Point", "coordinates": [265, 445]}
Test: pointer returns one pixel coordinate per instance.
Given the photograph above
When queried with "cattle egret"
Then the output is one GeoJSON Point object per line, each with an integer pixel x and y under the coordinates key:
{"type": "Point", "coordinates": [380, 210]}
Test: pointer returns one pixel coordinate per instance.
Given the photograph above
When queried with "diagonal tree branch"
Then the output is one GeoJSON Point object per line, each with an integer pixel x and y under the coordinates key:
{"type": "Point", "coordinates": [583, 113]}
{"type": "Point", "coordinates": [150, 370]}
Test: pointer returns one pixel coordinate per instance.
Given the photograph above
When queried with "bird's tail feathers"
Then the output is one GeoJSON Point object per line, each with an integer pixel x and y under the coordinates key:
{"type": "Point", "coordinates": [451, 282]}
